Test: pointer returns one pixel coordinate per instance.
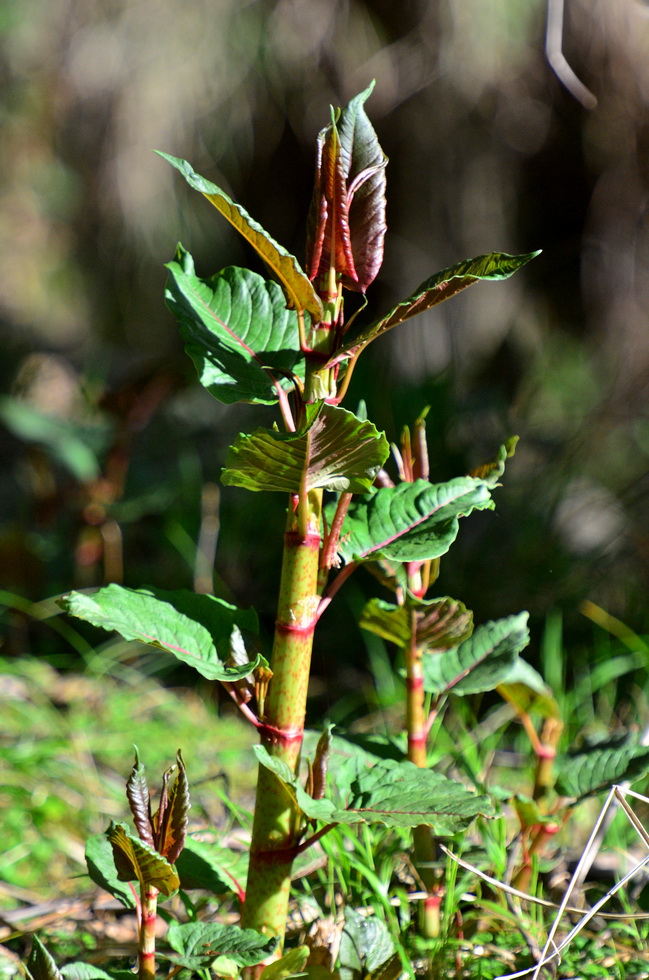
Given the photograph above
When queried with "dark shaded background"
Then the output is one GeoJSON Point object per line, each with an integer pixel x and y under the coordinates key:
{"type": "Point", "coordinates": [110, 450]}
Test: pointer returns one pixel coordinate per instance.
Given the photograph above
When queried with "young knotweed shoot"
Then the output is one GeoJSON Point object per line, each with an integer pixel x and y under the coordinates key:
{"type": "Point", "coordinates": [288, 343]}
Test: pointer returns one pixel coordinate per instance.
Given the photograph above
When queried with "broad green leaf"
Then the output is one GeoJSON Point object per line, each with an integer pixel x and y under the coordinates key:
{"type": "Point", "coordinates": [205, 865]}
{"type": "Point", "coordinates": [440, 623]}
{"type": "Point", "coordinates": [87, 971]}
{"type": "Point", "coordinates": [71, 445]}
{"type": "Point", "coordinates": [597, 765]}
{"type": "Point", "coordinates": [40, 963]}
{"type": "Point", "coordinates": [137, 794]}
{"type": "Point", "coordinates": [291, 964]}
{"type": "Point", "coordinates": [198, 943]}
{"type": "Point", "coordinates": [481, 662]}
{"type": "Point", "coordinates": [197, 629]}
{"type": "Point", "coordinates": [173, 828]}
{"type": "Point", "coordinates": [101, 868]}
{"type": "Point", "coordinates": [440, 287]}
{"type": "Point", "coordinates": [411, 521]}
{"type": "Point", "coordinates": [243, 341]}
{"type": "Point", "coordinates": [335, 451]}
{"type": "Point", "coordinates": [136, 860]}
{"type": "Point", "coordinates": [365, 945]}
{"type": "Point", "coordinates": [526, 690]}
{"type": "Point", "coordinates": [397, 794]}
{"type": "Point", "coordinates": [299, 292]}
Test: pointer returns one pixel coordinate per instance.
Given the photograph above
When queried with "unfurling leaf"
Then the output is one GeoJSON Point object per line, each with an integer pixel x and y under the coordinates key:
{"type": "Point", "coordinates": [365, 945]}
{"type": "Point", "coordinates": [137, 861]}
{"type": "Point", "coordinates": [335, 450]}
{"type": "Point", "coordinates": [321, 763]}
{"type": "Point", "coordinates": [346, 226]}
{"type": "Point", "coordinates": [440, 287]}
{"type": "Point", "coordinates": [494, 469]}
{"type": "Point", "coordinates": [235, 326]}
{"type": "Point", "coordinates": [137, 793]}
{"type": "Point", "coordinates": [300, 294]}
{"type": "Point", "coordinates": [172, 823]}
{"type": "Point", "coordinates": [101, 868]}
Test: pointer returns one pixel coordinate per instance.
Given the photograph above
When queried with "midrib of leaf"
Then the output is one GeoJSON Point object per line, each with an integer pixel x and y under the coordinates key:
{"type": "Point", "coordinates": [386, 542]}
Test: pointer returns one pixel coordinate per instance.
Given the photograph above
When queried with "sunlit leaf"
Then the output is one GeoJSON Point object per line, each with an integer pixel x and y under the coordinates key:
{"type": "Point", "coordinates": [237, 331]}
{"type": "Point", "coordinates": [365, 945]}
{"type": "Point", "coordinates": [173, 830]}
{"type": "Point", "coordinates": [196, 629]}
{"type": "Point", "coordinates": [335, 451]}
{"type": "Point", "coordinates": [135, 860]}
{"type": "Point", "coordinates": [440, 287]}
{"type": "Point", "coordinates": [492, 471]}
{"type": "Point", "coordinates": [347, 213]}
{"type": "Point", "coordinates": [397, 794]}
{"type": "Point", "coordinates": [298, 291]}
{"type": "Point", "coordinates": [291, 964]}
{"type": "Point", "coordinates": [597, 765]}
{"type": "Point", "coordinates": [137, 793]}
{"type": "Point", "coordinates": [411, 521]}
{"type": "Point", "coordinates": [198, 943]}
{"type": "Point", "coordinates": [206, 865]}
{"type": "Point", "coordinates": [101, 868]}
{"type": "Point", "coordinates": [481, 662]}
{"type": "Point", "coordinates": [439, 623]}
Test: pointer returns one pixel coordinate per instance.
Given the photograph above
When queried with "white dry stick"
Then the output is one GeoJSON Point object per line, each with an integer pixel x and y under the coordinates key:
{"type": "Point", "coordinates": [556, 57]}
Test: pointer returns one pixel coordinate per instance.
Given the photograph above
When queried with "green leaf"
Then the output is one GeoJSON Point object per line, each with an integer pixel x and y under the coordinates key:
{"type": "Point", "coordinates": [481, 662]}
{"type": "Point", "coordinates": [299, 293]}
{"type": "Point", "coordinates": [365, 945]}
{"type": "Point", "coordinates": [86, 971]}
{"type": "Point", "coordinates": [411, 521]}
{"type": "Point", "coordinates": [40, 963]}
{"type": "Point", "coordinates": [524, 688]}
{"type": "Point", "coordinates": [397, 794]}
{"type": "Point", "coordinates": [440, 287]}
{"type": "Point", "coordinates": [197, 629]}
{"type": "Point", "coordinates": [137, 794]}
{"type": "Point", "coordinates": [198, 943]}
{"type": "Point", "coordinates": [205, 865]}
{"type": "Point", "coordinates": [529, 813]}
{"type": "Point", "coordinates": [597, 765]}
{"type": "Point", "coordinates": [243, 341]}
{"type": "Point", "coordinates": [136, 860]}
{"type": "Point", "coordinates": [440, 623]}
{"type": "Point", "coordinates": [101, 868]}
{"type": "Point", "coordinates": [68, 444]}
{"type": "Point", "coordinates": [291, 964]}
{"type": "Point", "coordinates": [335, 451]}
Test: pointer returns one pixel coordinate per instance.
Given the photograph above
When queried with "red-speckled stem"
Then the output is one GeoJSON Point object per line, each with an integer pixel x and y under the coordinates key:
{"type": "Point", "coordinates": [146, 948]}
{"type": "Point", "coordinates": [276, 825]}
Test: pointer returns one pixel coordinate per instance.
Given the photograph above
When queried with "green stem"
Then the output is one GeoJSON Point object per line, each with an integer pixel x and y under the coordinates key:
{"type": "Point", "coordinates": [276, 828]}
{"type": "Point", "coordinates": [146, 945]}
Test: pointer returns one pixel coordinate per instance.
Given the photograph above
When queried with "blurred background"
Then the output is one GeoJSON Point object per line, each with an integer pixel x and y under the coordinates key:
{"type": "Point", "coordinates": [111, 451]}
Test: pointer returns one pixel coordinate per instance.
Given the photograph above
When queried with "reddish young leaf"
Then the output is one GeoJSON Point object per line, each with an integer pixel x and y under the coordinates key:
{"type": "Point", "coordinates": [172, 829]}
{"type": "Point", "coordinates": [346, 224]}
{"type": "Point", "coordinates": [137, 793]}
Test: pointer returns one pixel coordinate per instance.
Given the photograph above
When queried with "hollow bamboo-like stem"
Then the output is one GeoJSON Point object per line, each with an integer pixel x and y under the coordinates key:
{"type": "Point", "coordinates": [146, 945]}
{"type": "Point", "coordinates": [276, 829]}
{"type": "Point", "coordinates": [417, 728]}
